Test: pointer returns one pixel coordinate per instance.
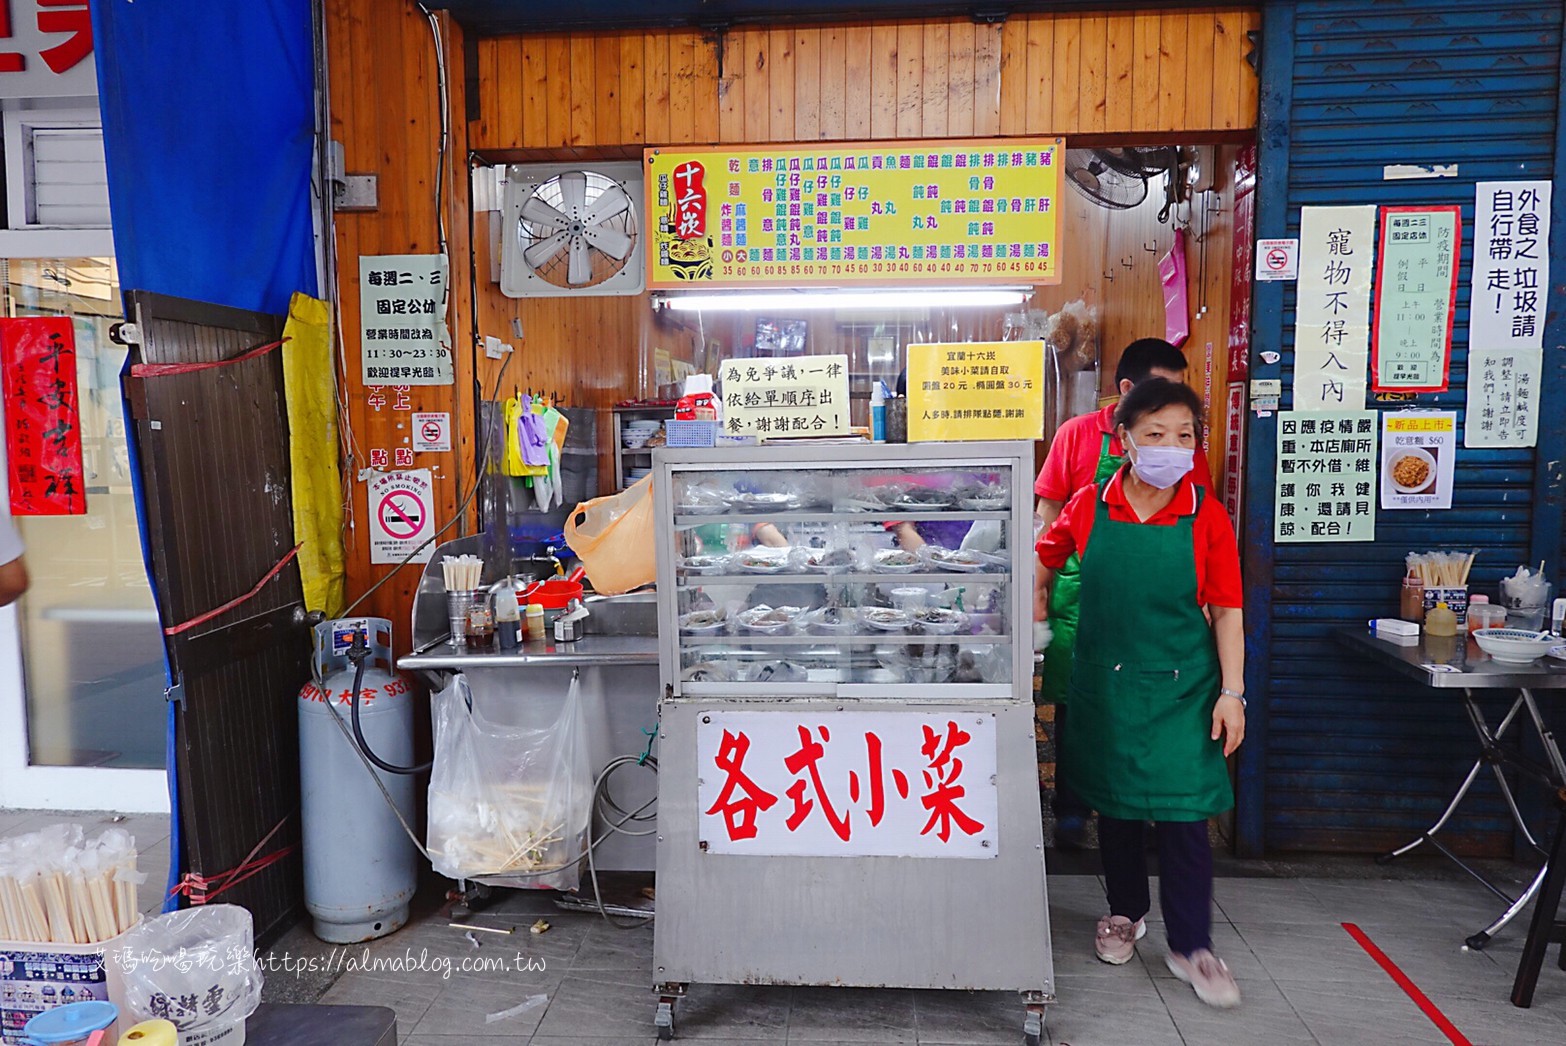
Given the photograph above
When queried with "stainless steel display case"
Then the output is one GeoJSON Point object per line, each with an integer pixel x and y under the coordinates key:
{"type": "Point", "coordinates": [854, 628]}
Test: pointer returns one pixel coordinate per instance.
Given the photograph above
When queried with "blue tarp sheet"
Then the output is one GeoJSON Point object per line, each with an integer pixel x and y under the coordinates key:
{"type": "Point", "coordinates": [208, 118]}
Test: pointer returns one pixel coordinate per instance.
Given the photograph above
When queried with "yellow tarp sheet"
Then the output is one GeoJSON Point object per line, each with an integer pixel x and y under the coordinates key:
{"type": "Point", "coordinates": [309, 385]}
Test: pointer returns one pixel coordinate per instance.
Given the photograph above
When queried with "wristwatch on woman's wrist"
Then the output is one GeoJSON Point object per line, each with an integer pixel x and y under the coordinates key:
{"type": "Point", "coordinates": [1226, 692]}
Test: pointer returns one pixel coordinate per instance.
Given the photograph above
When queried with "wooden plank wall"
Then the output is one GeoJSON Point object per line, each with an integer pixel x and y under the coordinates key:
{"type": "Point", "coordinates": [385, 110]}
{"type": "Point", "coordinates": [1119, 77]}
{"type": "Point", "coordinates": [1117, 73]}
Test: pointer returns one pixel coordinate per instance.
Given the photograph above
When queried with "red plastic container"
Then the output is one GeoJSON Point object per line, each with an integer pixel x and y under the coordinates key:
{"type": "Point", "coordinates": [554, 594]}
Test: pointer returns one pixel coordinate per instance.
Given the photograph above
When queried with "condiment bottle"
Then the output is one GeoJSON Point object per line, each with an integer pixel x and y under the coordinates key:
{"type": "Point", "coordinates": [508, 619]}
{"type": "Point", "coordinates": [1441, 621]}
{"type": "Point", "coordinates": [481, 625]}
{"type": "Point", "coordinates": [535, 622]}
{"type": "Point", "coordinates": [1411, 606]}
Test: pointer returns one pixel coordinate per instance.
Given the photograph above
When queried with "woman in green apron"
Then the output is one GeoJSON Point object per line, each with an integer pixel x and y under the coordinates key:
{"type": "Point", "coordinates": [1157, 692]}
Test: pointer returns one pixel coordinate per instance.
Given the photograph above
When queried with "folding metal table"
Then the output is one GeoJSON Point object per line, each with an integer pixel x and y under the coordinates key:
{"type": "Point", "coordinates": [1457, 663]}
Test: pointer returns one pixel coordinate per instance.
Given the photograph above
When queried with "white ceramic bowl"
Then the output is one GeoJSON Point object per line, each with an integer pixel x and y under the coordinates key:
{"type": "Point", "coordinates": [1513, 646]}
{"type": "Point", "coordinates": [1419, 454]}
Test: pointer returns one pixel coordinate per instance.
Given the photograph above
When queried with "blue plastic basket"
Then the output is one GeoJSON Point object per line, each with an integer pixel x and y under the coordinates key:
{"type": "Point", "coordinates": [691, 433]}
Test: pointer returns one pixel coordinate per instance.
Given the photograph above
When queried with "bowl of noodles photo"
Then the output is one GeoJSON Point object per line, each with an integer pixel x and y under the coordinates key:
{"type": "Point", "coordinates": [1411, 470]}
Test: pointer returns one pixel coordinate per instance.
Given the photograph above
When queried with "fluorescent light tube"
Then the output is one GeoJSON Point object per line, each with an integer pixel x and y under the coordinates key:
{"type": "Point", "coordinates": [947, 297]}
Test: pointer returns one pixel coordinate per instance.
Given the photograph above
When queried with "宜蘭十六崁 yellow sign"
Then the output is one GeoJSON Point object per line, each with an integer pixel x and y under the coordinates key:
{"type": "Point", "coordinates": [982, 390]}
{"type": "Point", "coordinates": [855, 214]}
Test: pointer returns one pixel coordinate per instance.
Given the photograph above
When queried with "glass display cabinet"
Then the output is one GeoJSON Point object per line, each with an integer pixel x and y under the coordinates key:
{"type": "Point", "coordinates": [847, 777]}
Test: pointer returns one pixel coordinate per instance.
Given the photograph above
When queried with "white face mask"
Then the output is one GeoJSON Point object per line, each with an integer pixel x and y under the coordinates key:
{"type": "Point", "coordinates": [1160, 467]}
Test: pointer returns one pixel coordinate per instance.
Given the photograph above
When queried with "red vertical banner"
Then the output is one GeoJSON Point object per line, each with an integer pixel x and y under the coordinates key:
{"type": "Point", "coordinates": [1240, 278]}
{"type": "Point", "coordinates": [42, 419]}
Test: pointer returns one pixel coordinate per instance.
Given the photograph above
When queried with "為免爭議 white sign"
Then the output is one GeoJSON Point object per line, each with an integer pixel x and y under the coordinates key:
{"type": "Point", "coordinates": [848, 784]}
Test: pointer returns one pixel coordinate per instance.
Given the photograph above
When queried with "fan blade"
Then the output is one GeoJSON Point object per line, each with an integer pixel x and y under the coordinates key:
{"type": "Point", "coordinates": [541, 213]}
{"type": "Point", "coordinates": [581, 270]}
{"type": "Point", "coordinates": [573, 192]}
{"type": "Point", "coordinates": [541, 252]}
{"type": "Point", "coordinates": [612, 242]}
{"type": "Point", "coordinates": [613, 203]}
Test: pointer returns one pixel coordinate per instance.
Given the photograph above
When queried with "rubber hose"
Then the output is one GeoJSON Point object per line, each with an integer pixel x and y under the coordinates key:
{"type": "Point", "coordinates": [358, 733]}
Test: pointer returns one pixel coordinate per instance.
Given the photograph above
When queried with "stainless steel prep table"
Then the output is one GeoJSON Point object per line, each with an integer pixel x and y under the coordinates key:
{"type": "Point", "coordinates": [618, 662]}
{"type": "Point", "coordinates": [1457, 663]}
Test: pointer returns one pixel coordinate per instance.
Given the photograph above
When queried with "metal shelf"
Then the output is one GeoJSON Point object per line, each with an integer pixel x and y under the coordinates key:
{"type": "Point", "coordinates": [944, 577]}
{"type": "Point", "coordinates": [830, 641]}
{"type": "Point", "coordinates": [836, 517]}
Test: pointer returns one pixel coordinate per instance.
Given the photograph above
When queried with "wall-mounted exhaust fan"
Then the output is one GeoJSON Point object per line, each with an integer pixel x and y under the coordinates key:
{"type": "Point", "coordinates": [568, 230]}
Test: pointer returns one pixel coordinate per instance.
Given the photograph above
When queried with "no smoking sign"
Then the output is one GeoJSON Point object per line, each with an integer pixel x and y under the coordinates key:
{"type": "Point", "coordinates": [431, 433]}
{"type": "Point", "coordinates": [401, 504]}
{"type": "Point", "coordinates": [1277, 260]}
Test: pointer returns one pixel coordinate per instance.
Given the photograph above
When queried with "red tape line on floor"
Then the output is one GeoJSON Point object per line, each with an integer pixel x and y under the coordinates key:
{"type": "Point", "coordinates": [1410, 989]}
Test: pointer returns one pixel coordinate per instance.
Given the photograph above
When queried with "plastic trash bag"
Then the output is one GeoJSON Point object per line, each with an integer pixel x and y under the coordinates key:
{"type": "Point", "coordinates": [510, 796]}
{"type": "Point", "coordinates": [615, 537]}
{"type": "Point", "coordinates": [195, 968]}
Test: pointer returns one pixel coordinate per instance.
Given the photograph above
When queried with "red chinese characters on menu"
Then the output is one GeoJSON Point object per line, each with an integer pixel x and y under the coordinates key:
{"type": "Point", "coordinates": [690, 201]}
{"type": "Point", "coordinates": [42, 419]}
{"type": "Point", "coordinates": [852, 801]}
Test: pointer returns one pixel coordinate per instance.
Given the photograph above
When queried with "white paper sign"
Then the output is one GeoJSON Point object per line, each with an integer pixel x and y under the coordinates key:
{"type": "Point", "coordinates": [402, 320]}
{"type": "Point", "coordinates": [1277, 260]}
{"type": "Point", "coordinates": [1503, 397]}
{"type": "Point", "coordinates": [848, 784]}
{"type": "Point", "coordinates": [431, 433]}
{"type": "Point", "coordinates": [1511, 269]}
{"type": "Point", "coordinates": [1326, 483]}
{"type": "Point", "coordinates": [799, 396]}
{"type": "Point", "coordinates": [401, 515]}
{"type": "Point", "coordinates": [1418, 455]}
{"type": "Point", "coordinates": [1332, 315]}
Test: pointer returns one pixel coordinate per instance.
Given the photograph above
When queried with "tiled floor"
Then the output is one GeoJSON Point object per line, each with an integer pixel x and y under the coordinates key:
{"type": "Point", "coordinates": [1304, 978]}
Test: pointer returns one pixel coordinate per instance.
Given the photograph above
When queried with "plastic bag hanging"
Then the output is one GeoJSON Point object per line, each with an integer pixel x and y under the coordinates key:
{"type": "Point", "coordinates": [1177, 308]}
{"type": "Point", "coordinates": [510, 799]}
{"type": "Point", "coordinates": [615, 537]}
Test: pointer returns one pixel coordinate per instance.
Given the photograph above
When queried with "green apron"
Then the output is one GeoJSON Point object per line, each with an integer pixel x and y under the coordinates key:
{"type": "Point", "coordinates": [1145, 679]}
{"type": "Point", "coordinates": [1055, 676]}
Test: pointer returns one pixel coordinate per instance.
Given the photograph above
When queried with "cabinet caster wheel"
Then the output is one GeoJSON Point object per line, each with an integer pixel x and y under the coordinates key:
{"type": "Point", "coordinates": [1033, 1029]}
{"type": "Point", "coordinates": [663, 1020]}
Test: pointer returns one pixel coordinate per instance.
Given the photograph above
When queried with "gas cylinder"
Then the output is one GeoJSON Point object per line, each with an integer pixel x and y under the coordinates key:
{"type": "Point", "coordinates": [360, 867]}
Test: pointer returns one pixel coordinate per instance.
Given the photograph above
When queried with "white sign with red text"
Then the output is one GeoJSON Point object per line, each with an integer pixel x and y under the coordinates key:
{"type": "Point", "coordinates": [46, 49]}
{"type": "Point", "coordinates": [401, 504]}
{"type": "Point", "coordinates": [848, 784]}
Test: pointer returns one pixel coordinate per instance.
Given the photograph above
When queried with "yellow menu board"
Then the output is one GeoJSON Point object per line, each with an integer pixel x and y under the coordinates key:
{"type": "Point", "coordinates": [976, 390]}
{"type": "Point", "coordinates": [881, 213]}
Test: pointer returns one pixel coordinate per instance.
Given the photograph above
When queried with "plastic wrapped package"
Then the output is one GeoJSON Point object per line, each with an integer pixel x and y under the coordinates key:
{"type": "Point", "coordinates": [614, 538]}
{"type": "Point", "coordinates": [510, 799]}
{"type": "Point", "coordinates": [195, 968]}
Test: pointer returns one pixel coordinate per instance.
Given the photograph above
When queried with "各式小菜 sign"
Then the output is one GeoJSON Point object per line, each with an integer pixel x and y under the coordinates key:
{"type": "Point", "coordinates": [401, 515]}
{"type": "Point", "coordinates": [1418, 458]}
{"type": "Point", "coordinates": [1332, 315]}
{"type": "Point", "coordinates": [992, 390]}
{"type": "Point", "coordinates": [1503, 397]}
{"type": "Point", "coordinates": [1511, 270]}
{"type": "Point", "coordinates": [42, 416]}
{"type": "Point", "coordinates": [1416, 286]}
{"type": "Point", "coordinates": [848, 784]}
{"type": "Point", "coordinates": [1326, 476]}
{"type": "Point", "coordinates": [402, 320]}
{"type": "Point", "coordinates": [802, 396]}
{"type": "Point", "coordinates": [872, 213]}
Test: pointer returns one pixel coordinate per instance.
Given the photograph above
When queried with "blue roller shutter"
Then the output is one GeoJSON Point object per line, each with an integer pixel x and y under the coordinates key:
{"type": "Point", "coordinates": [1345, 756]}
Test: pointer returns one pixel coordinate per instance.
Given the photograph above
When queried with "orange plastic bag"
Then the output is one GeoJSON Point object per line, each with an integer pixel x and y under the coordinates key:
{"type": "Point", "coordinates": [615, 537]}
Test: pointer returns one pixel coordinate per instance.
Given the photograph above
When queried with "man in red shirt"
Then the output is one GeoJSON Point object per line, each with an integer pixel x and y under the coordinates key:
{"type": "Point", "coordinates": [1084, 452]}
